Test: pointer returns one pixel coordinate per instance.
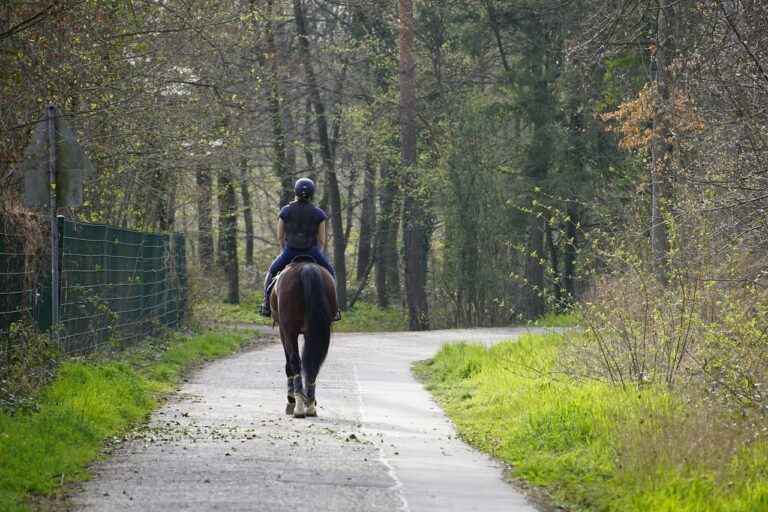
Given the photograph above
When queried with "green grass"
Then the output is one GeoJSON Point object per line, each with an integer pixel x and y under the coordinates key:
{"type": "Point", "coordinates": [552, 319]}
{"type": "Point", "coordinates": [247, 312]}
{"type": "Point", "coordinates": [366, 317]}
{"type": "Point", "coordinates": [592, 445]}
{"type": "Point", "coordinates": [88, 402]}
{"type": "Point", "coordinates": [363, 317]}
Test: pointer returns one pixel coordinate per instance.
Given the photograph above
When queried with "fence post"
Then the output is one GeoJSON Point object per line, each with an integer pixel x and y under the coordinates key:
{"type": "Point", "coordinates": [51, 119]}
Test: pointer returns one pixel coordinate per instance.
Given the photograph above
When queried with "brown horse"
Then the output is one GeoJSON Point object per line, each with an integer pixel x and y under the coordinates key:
{"type": "Point", "coordinates": [303, 301]}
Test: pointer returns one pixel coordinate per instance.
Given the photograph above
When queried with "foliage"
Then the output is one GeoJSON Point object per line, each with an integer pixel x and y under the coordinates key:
{"type": "Point", "coordinates": [698, 332]}
{"type": "Point", "coordinates": [593, 445]}
{"type": "Point", "coordinates": [87, 403]}
{"type": "Point", "coordinates": [30, 364]}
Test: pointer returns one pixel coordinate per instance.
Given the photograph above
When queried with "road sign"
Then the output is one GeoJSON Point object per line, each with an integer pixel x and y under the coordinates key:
{"type": "Point", "coordinates": [71, 165]}
{"type": "Point", "coordinates": [53, 167]}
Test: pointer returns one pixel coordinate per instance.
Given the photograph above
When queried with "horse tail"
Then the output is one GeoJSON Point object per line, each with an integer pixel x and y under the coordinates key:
{"type": "Point", "coordinates": [317, 333]}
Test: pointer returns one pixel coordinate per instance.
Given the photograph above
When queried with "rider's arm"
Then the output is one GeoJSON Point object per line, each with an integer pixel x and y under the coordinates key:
{"type": "Point", "coordinates": [281, 233]}
{"type": "Point", "coordinates": [321, 235]}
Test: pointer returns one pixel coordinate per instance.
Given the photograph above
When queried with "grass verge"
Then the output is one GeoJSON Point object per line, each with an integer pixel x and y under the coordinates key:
{"type": "Point", "coordinates": [552, 319]}
{"type": "Point", "coordinates": [247, 312]}
{"type": "Point", "coordinates": [366, 317]}
{"type": "Point", "coordinates": [591, 445]}
{"type": "Point", "coordinates": [363, 317]}
{"type": "Point", "coordinates": [88, 402]}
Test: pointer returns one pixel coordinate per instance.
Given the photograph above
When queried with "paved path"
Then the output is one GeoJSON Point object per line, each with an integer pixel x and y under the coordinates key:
{"type": "Point", "coordinates": [379, 444]}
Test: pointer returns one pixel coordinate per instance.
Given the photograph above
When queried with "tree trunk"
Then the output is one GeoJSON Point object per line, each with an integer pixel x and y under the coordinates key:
{"type": "Point", "coordinates": [204, 222]}
{"type": "Point", "coordinates": [569, 265]}
{"type": "Point", "coordinates": [660, 148]}
{"type": "Point", "coordinates": [228, 235]}
{"type": "Point", "coordinates": [332, 184]}
{"type": "Point", "coordinates": [247, 212]}
{"type": "Point", "coordinates": [387, 226]}
{"type": "Point", "coordinates": [534, 271]}
{"type": "Point", "coordinates": [280, 164]}
{"type": "Point", "coordinates": [309, 156]}
{"type": "Point", "coordinates": [367, 219]}
{"type": "Point", "coordinates": [557, 284]}
{"type": "Point", "coordinates": [414, 230]}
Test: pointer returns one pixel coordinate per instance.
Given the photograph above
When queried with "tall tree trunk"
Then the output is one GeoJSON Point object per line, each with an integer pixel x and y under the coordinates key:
{"type": "Point", "coordinates": [539, 152]}
{"type": "Point", "coordinates": [204, 222]}
{"type": "Point", "coordinates": [332, 184]}
{"type": "Point", "coordinates": [534, 271]}
{"type": "Point", "coordinates": [168, 213]}
{"type": "Point", "coordinates": [247, 212]}
{"type": "Point", "coordinates": [306, 131]}
{"type": "Point", "coordinates": [367, 219]}
{"type": "Point", "coordinates": [228, 234]}
{"type": "Point", "coordinates": [554, 261]}
{"type": "Point", "coordinates": [414, 230]}
{"type": "Point", "coordinates": [660, 147]}
{"type": "Point", "coordinates": [290, 150]}
{"type": "Point", "coordinates": [387, 226]}
{"type": "Point", "coordinates": [350, 200]}
{"type": "Point", "coordinates": [280, 164]}
{"type": "Point", "coordinates": [569, 265]}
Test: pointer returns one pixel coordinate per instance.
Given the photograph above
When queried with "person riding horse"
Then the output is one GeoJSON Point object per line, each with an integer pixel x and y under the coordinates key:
{"type": "Point", "coordinates": [300, 232]}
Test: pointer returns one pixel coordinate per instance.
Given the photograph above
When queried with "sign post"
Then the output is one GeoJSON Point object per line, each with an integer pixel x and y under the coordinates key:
{"type": "Point", "coordinates": [53, 167]}
{"type": "Point", "coordinates": [51, 124]}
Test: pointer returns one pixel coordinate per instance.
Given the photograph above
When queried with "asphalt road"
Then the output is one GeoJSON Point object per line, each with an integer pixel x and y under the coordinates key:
{"type": "Point", "coordinates": [379, 443]}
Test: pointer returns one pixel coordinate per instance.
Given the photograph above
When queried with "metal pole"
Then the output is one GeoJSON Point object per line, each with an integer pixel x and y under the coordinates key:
{"type": "Point", "coordinates": [51, 117]}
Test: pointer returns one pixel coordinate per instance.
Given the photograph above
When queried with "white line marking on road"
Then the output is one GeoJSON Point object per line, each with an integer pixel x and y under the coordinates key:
{"type": "Point", "coordinates": [398, 485]}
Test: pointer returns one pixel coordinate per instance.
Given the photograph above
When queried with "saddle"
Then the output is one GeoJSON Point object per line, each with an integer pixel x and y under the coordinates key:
{"type": "Point", "coordinates": [298, 259]}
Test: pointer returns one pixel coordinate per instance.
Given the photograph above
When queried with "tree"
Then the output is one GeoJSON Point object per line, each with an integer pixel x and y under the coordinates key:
{"type": "Point", "coordinates": [228, 234]}
{"type": "Point", "coordinates": [326, 153]}
{"type": "Point", "coordinates": [414, 229]}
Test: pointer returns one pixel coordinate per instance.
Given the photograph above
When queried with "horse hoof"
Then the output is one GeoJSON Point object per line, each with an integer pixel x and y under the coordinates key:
{"type": "Point", "coordinates": [289, 408]}
{"type": "Point", "coordinates": [299, 411]}
{"type": "Point", "coordinates": [312, 409]}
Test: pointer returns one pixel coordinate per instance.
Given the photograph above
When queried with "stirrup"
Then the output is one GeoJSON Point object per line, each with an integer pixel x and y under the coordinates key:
{"type": "Point", "coordinates": [265, 310]}
{"type": "Point", "coordinates": [336, 317]}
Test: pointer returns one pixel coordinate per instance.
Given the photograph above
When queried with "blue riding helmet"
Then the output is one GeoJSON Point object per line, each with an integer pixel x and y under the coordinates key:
{"type": "Point", "coordinates": [305, 188]}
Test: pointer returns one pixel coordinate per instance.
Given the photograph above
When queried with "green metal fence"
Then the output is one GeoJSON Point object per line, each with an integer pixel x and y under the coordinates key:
{"type": "Point", "coordinates": [116, 285]}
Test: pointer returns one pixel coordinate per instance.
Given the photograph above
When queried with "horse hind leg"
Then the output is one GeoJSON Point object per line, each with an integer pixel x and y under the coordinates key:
{"type": "Point", "coordinates": [299, 410]}
{"type": "Point", "coordinates": [311, 402]}
{"type": "Point", "coordinates": [291, 405]}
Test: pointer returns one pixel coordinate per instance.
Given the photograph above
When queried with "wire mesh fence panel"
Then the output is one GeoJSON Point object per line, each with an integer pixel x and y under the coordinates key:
{"type": "Point", "coordinates": [116, 285]}
{"type": "Point", "coordinates": [19, 294]}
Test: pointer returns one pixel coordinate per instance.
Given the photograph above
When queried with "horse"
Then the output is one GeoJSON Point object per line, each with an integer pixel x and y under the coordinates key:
{"type": "Point", "coordinates": [303, 300]}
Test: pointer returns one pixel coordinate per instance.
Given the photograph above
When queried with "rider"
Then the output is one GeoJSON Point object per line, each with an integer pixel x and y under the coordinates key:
{"type": "Point", "coordinates": [300, 231]}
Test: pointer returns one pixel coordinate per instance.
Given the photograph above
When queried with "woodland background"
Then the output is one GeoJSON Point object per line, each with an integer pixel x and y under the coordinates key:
{"type": "Point", "coordinates": [602, 157]}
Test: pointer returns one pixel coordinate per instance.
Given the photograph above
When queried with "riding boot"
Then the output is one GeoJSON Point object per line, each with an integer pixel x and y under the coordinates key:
{"type": "Point", "coordinates": [265, 308]}
{"type": "Point", "coordinates": [337, 315]}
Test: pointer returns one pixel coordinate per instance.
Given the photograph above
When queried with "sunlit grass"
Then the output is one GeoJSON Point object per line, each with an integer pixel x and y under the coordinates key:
{"type": "Point", "coordinates": [88, 402]}
{"type": "Point", "coordinates": [216, 312]}
{"type": "Point", "coordinates": [552, 319]}
{"type": "Point", "coordinates": [364, 317]}
{"type": "Point", "coordinates": [593, 445]}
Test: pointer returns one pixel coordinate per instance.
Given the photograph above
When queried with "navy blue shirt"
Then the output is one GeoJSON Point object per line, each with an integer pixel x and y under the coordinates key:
{"type": "Point", "coordinates": [320, 215]}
